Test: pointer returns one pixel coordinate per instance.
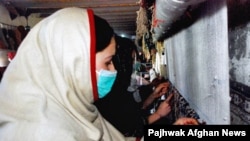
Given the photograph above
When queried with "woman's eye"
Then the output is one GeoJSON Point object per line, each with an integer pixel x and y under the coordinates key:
{"type": "Point", "coordinates": [108, 63]}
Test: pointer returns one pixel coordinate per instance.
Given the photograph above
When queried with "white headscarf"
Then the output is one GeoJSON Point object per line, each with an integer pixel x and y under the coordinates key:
{"type": "Point", "coordinates": [48, 89]}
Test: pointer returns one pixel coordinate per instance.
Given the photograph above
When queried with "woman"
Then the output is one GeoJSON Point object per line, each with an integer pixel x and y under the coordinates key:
{"type": "Point", "coordinates": [48, 90]}
{"type": "Point", "coordinates": [125, 111]}
{"type": "Point", "coordinates": [127, 114]}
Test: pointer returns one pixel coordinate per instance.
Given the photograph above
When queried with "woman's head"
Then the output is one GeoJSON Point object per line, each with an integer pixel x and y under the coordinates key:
{"type": "Point", "coordinates": [105, 44]}
{"type": "Point", "coordinates": [123, 61]}
{"type": "Point", "coordinates": [69, 46]}
{"type": "Point", "coordinates": [106, 72]}
{"type": "Point", "coordinates": [105, 50]}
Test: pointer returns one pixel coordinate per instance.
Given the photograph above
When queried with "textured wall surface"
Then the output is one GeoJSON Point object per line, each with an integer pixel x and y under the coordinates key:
{"type": "Point", "coordinates": [239, 53]}
{"type": "Point", "coordinates": [199, 63]}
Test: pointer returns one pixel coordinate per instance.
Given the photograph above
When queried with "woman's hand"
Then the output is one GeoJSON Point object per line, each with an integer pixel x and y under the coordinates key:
{"type": "Point", "coordinates": [186, 121]}
{"type": "Point", "coordinates": [164, 107]}
{"type": "Point", "coordinates": [163, 110]}
{"type": "Point", "coordinates": [161, 89]}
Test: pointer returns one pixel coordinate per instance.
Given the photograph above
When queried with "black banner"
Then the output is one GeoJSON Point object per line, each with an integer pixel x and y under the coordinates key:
{"type": "Point", "coordinates": [196, 132]}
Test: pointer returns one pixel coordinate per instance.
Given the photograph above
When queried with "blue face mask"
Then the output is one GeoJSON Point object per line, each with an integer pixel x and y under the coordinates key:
{"type": "Point", "coordinates": [105, 81]}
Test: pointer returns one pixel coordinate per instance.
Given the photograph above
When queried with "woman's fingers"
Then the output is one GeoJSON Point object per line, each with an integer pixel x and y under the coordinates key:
{"type": "Point", "coordinates": [169, 97]}
{"type": "Point", "coordinates": [186, 121]}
